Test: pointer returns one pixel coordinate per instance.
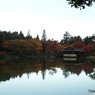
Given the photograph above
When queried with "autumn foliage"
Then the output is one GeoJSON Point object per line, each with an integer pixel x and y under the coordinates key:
{"type": "Point", "coordinates": [34, 47]}
{"type": "Point", "coordinates": [52, 47]}
{"type": "Point", "coordinates": [78, 45]}
{"type": "Point", "coordinates": [88, 48]}
{"type": "Point", "coordinates": [22, 46]}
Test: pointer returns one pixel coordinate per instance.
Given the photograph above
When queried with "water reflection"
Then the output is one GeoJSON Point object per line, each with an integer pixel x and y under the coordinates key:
{"type": "Point", "coordinates": [14, 68]}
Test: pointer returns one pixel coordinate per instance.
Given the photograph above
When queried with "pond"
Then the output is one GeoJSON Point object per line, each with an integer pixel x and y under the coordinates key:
{"type": "Point", "coordinates": [46, 77]}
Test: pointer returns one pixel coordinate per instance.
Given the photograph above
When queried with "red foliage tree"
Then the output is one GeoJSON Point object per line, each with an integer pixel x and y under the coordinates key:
{"type": "Point", "coordinates": [52, 47]}
{"type": "Point", "coordinates": [88, 48]}
{"type": "Point", "coordinates": [78, 45]}
{"type": "Point", "coordinates": [87, 66]}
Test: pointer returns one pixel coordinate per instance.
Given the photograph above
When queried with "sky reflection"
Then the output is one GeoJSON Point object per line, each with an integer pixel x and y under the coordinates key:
{"type": "Point", "coordinates": [52, 85]}
{"type": "Point", "coordinates": [28, 77]}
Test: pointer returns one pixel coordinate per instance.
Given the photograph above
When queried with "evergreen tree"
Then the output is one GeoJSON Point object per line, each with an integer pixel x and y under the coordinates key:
{"type": "Point", "coordinates": [2, 38]}
{"type": "Point", "coordinates": [44, 35]}
{"type": "Point", "coordinates": [7, 35]}
{"type": "Point", "coordinates": [66, 37]}
{"type": "Point", "coordinates": [21, 35]}
{"type": "Point", "coordinates": [37, 37]}
{"type": "Point", "coordinates": [93, 37]}
{"type": "Point", "coordinates": [15, 35]}
{"type": "Point", "coordinates": [86, 40]}
{"type": "Point", "coordinates": [28, 35]}
{"type": "Point", "coordinates": [74, 39]}
{"type": "Point", "coordinates": [61, 42]}
{"type": "Point", "coordinates": [90, 39]}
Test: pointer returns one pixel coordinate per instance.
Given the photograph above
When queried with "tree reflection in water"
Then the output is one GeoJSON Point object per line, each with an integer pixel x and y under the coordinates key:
{"type": "Point", "coordinates": [14, 68]}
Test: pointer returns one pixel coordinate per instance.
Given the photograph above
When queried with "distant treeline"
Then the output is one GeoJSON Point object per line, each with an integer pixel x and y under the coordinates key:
{"type": "Point", "coordinates": [14, 43]}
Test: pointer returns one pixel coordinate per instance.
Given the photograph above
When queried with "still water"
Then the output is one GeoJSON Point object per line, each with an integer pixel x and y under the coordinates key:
{"type": "Point", "coordinates": [46, 77]}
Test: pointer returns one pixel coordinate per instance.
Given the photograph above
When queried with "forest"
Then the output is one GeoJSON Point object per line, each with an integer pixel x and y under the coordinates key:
{"type": "Point", "coordinates": [16, 44]}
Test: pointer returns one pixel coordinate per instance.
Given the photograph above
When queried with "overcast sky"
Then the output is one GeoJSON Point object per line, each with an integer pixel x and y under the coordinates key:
{"type": "Point", "coordinates": [55, 16]}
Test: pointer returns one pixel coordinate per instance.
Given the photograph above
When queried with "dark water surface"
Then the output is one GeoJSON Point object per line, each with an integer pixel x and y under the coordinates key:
{"type": "Point", "coordinates": [46, 77]}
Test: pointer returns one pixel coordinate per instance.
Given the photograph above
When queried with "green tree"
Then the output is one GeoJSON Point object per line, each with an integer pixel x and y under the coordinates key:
{"type": "Point", "coordinates": [37, 37]}
{"type": "Point", "coordinates": [44, 35]}
{"type": "Point", "coordinates": [21, 35]}
{"type": "Point", "coordinates": [15, 35]}
{"type": "Point", "coordinates": [28, 35]}
{"type": "Point", "coordinates": [2, 38]}
{"type": "Point", "coordinates": [88, 40]}
{"type": "Point", "coordinates": [61, 42]}
{"type": "Point", "coordinates": [7, 35]}
{"type": "Point", "coordinates": [74, 39]}
{"type": "Point", "coordinates": [93, 37]}
{"type": "Point", "coordinates": [66, 37]}
{"type": "Point", "coordinates": [80, 3]}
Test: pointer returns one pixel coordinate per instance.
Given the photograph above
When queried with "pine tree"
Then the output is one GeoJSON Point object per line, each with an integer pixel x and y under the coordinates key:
{"type": "Point", "coordinates": [37, 37]}
{"type": "Point", "coordinates": [66, 37]}
{"type": "Point", "coordinates": [28, 35]}
{"type": "Point", "coordinates": [21, 35]}
{"type": "Point", "coordinates": [44, 37]}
